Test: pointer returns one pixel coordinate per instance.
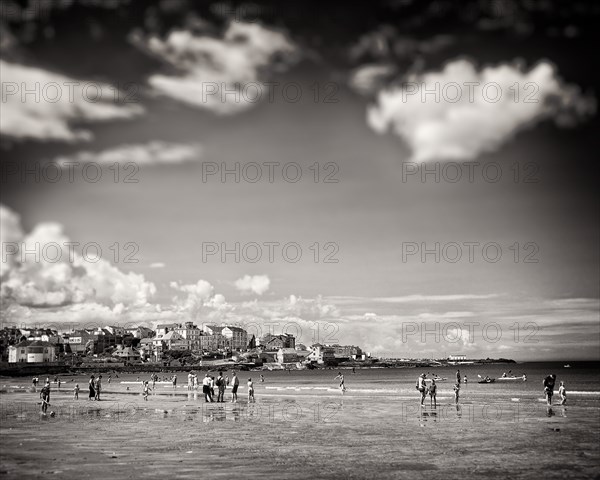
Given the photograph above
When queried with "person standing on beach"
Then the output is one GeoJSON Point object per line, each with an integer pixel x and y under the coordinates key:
{"type": "Point", "coordinates": [235, 382]}
{"type": "Point", "coordinates": [465, 379]}
{"type": "Point", "coordinates": [91, 384]}
{"type": "Point", "coordinates": [562, 391]}
{"type": "Point", "coordinates": [174, 380]}
{"type": "Point", "coordinates": [206, 388]}
{"type": "Point", "coordinates": [549, 382]}
{"type": "Point", "coordinates": [433, 394]}
{"type": "Point", "coordinates": [221, 388]}
{"type": "Point", "coordinates": [250, 391]}
{"type": "Point", "coordinates": [98, 386]}
{"type": "Point", "coordinates": [456, 392]}
{"type": "Point", "coordinates": [421, 387]}
{"type": "Point", "coordinates": [458, 378]}
{"type": "Point", "coordinates": [76, 392]}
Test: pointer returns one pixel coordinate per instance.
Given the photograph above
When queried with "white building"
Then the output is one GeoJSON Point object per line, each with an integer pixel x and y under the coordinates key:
{"type": "Point", "coordinates": [321, 354]}
{"type": "Point", "coordinates": [457, 357]}
{"type": "Point", "coordinates": [32, 351]}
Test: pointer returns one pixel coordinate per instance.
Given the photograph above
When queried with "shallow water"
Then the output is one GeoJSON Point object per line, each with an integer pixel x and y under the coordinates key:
{"type": "Point", "coordinates": [301, 426]}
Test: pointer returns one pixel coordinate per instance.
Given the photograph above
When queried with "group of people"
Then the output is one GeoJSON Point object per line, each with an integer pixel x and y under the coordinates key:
{"type": "Point", "coordinates": [431, 390]}
{"type": "Point", "coordinates": [95, 386]}
{"type": "Point", "coordinates": [549, 383]}
{"type": "Point", "coordinates": [209, 384]}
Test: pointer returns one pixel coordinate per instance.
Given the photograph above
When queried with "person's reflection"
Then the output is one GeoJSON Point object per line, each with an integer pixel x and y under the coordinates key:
{"type": "Point", "coordinates": [192, 395]}
{"type": "Point", "coordinates": [563, 412]}
{"type": "Point", "coordinates": [549, 412]}
{"type": "Point", "coordinates": [236, 413]}
{"type": "Point", "coordinates": [458, 411]}
{"type": "Point", "coordinates": [220, 414]}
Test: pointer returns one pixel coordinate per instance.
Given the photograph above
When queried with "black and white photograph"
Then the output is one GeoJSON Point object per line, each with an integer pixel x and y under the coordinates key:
{"type": "Point", "coordinates": [299, 239]}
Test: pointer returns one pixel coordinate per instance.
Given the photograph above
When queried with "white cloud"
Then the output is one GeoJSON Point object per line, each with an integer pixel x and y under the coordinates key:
{"type": "Point", "coordinates": [435, 298]}
{"type": "Point", "coordinates": [257, 284]}
{"type": "Point", "coordinates": [151, 153]}
{"type": "Point", "coordinates": [210, 67]}
{"type": "Point", "coordinates": [53, 275]}
{"type": "Point", "coordinates": [59, 102]}
{"type": "Point", "coordinates": [461, 126]}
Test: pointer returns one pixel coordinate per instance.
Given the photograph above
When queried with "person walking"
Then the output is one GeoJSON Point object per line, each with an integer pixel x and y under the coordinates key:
{"type": "Point", "coordinates": [548, 383]}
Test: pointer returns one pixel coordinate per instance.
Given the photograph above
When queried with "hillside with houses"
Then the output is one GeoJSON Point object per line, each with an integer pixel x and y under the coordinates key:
{"type": "Point", "coordinates": [173, 344]}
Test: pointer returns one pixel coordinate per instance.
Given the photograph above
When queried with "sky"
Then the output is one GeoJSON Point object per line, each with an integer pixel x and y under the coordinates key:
{"type": "Point", "coordinates": [412, 177]}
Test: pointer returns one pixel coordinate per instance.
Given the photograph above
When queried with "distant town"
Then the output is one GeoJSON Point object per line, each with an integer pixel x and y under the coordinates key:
{"type": "Point", "coordinates": [183, 345]}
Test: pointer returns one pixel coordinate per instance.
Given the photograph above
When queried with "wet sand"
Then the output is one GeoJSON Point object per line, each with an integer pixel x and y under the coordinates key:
{"type": "Point", "coordinates": [305, 434]}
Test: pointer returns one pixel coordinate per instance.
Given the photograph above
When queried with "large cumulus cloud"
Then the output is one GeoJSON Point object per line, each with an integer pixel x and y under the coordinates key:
{"type": "Point", "coordinates": [474, 111]}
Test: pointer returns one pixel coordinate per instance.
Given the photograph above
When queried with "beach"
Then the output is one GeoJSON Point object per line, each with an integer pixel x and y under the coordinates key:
{"type": "Point", "coordinates": [301, 426]}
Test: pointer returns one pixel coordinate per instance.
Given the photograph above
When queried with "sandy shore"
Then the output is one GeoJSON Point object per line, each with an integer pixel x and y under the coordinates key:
{"type": "Point", "coordinates": [311, 435]}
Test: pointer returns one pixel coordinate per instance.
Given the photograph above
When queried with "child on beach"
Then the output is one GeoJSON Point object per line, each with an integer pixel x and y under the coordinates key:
{"type": "Point", "coordinates": [146, 389]}
{"type": "Point", "coordinates": [45, 396]}
{"type": "Point", "coordinates": [562, 391]}
{"type": "Point", "coordinates": [456, 392]}
{"type": "Point", "coordinates": [432, 393]}
{"type": "Point", "coordinates": [76, 392]}
{"type": "Point", "coordinates": [250, 391]}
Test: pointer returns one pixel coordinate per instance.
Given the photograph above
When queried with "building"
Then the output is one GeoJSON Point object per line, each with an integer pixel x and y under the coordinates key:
{"type": "Point", "coordinates": [237, 338]}
{"type": "Point", "coordinates": [32, 351]}
{"type": "Point", "coordinates": [79, 341]}
{"type": "Point", "coordinates": [275, 342]}
{"type": "Point", "coordinates": [457, 357]}
{"type": "Point", "coordinates": [287, 355]}
{"type": "Point", "coordinates": [126, 354]}
{"type": "Point", "coordinates": [321, 354]}
{"type": "Point", "coordinates": [140, 332]}
{"type": "Point", "coordinates": [191, 333]}
{"type": "Point", "coordinates": [170, 341]}
{"type": "Point", "coordinates": [212, 342]}
{"type": "Point", "coordinates": [346, 351]}
{"type": "Point", "coordinates": [165, 328]}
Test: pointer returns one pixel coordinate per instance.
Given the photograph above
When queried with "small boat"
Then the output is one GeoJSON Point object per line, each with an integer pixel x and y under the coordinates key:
{"type": "Point", "coordinates": [522, 378]}
{"type": "Point", "coordinates": [487, 380]}
{"type": "Point", "coordinates": [567, 366]}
